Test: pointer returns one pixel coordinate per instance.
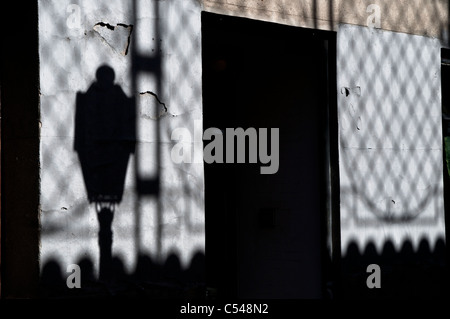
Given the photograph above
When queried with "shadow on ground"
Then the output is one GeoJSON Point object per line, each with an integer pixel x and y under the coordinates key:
{"type": "Point", "coordinates": [149, 280]}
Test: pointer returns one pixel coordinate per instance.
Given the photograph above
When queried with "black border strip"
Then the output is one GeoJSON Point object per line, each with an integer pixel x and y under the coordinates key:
{"type": "Point", "coordinates": [20, 149]}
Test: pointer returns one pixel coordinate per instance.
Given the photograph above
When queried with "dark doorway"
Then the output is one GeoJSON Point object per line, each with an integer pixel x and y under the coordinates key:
{"type": "Point", "coordinates": [445, 84]}
{"type": "Point", "coordinates": [269, 236]}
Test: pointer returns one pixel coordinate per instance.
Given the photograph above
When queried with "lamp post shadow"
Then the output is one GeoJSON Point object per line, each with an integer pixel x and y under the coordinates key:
{"type": "Point", "coordinates": [105, 138]}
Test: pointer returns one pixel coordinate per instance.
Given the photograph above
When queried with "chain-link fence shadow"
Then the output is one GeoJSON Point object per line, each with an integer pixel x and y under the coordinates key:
{"type": "Point", "coordinates": [152, 50]}
{"type": "Point", "coordinates": [389, 119]}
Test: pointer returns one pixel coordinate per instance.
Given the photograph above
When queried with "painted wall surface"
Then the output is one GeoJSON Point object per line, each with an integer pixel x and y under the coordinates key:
{"type": "Point", "coordinates": [390, 138]}
{"type": "Point", "coordinates": [154, 49]}
{"type": "Point", "coordinates": [419, 17]}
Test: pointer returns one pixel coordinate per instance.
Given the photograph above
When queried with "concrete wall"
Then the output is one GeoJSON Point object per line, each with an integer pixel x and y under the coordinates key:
{"type": "Point", "coordinates": [390, 137]}
{"type": "Point", "coordinates": [420, 17]}
{"type": "Point", "coordinates": [155, 52]}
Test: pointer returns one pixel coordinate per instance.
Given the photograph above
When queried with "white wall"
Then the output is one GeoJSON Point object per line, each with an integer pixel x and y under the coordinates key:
{"type": "Point", "coordinates": [70, 53]}
{"type": "Point", "coordinates": [390, 139]}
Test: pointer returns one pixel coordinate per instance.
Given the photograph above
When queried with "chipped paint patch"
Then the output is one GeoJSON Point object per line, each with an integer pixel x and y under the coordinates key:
{"type": "Point", "coordinates": [117, 37]}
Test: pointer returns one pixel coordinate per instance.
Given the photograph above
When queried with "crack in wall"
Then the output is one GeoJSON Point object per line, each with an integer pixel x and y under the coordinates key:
{"type": "Point", "coordinates": [159, 112]}
{"type": "Point", "coordinates": [157, 98]}
{"type": "Point", "coordinates": [118, 41]}
{"type": "Point", "coordinates": [103, 24]}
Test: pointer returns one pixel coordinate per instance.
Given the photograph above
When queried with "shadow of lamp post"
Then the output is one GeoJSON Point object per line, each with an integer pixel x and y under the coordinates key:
{"type": "Point", "coordinates": [105, 135]}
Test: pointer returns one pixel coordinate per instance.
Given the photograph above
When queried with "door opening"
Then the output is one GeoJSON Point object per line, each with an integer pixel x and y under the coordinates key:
{"type": "Point", "coordinates": [445, 83]}
{"type": "Point", "coordinates": [270, 235]}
